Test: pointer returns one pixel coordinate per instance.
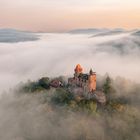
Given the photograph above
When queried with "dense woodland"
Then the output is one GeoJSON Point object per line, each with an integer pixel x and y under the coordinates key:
{"type": "Point", "coordinates": [119, 93]}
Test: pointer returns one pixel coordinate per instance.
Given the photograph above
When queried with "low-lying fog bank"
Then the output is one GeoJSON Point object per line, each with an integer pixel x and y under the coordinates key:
{"type": "Point", "coordinates": [28, 117]}
{"type": "Point", "coordinates": [57, 54]}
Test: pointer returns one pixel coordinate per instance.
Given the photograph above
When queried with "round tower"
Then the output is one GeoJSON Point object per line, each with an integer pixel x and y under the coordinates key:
{"type": "Point", "coordinates": [78, 70]}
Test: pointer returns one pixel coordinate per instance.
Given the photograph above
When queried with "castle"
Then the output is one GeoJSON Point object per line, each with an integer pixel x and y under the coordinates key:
{"type": "Point", "coordinates": [82, 86]}
{"type": "Point", "coordinates": [85, 82]}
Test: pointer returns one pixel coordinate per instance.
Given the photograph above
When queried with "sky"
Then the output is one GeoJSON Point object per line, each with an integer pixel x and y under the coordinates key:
{"type": "Point", "coordinates": [64, 15]}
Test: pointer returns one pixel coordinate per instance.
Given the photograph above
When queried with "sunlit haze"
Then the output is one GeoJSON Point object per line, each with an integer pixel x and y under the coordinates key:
{"type": "Point", "coordinates": [64, 15]}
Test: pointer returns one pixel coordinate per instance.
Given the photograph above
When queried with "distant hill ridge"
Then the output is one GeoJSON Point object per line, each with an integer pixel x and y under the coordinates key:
{"type": "Point", "coordinates": [14, 36]}
{"type": "Point", "coordinates": [94, 30]}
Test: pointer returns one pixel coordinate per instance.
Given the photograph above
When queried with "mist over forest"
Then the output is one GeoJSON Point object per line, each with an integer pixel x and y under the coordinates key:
{"type": "Point", "coordinates": [32, 116]}
{"type": "Point", "coordinates": [57, 54]}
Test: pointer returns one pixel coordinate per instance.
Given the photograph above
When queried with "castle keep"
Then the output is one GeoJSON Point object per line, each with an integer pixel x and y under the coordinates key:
{"type": "Point", "coordinates": [85, 82]}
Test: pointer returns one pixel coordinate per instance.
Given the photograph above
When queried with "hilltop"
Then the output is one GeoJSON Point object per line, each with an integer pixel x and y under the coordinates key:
{"type": "Point", "coordinates": [59, 108]}
{"type": "Point", "coordinates": [78, 93]}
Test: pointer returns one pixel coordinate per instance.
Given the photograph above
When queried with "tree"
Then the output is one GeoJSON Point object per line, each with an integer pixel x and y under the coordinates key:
{"type": "Point", "coordinates": [107, 85]}
{"type": "Point", "coordinates": [44, 82]}
{"type": "Point", "coordinates": [62, 96]}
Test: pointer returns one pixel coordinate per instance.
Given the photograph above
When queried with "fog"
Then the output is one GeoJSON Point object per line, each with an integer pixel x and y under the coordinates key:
{"type": "Point", "coordinates": [57, 54]}
{"type": "Point", "coordinates": [33, 117]}
{"type": "Point", "coordinates": [29, 117]}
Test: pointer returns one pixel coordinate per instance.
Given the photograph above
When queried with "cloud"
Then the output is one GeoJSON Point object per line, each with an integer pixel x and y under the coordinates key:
{"type": "Point", "coordinates": [57, 54]}
{"type": "Point", "coordinates": [31, 116]}
{"type": "Point", "coordinates": [28, 116]}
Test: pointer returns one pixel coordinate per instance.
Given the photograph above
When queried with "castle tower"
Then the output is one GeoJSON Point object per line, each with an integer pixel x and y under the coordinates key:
{"type": "Point", "coordinates": [92, 81]}
{"type": "Point", "coordinates": [78, 70]}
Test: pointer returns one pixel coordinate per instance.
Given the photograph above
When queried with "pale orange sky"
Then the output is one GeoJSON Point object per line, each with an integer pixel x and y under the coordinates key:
{"type": "Point", "coordinates": [63, 15]}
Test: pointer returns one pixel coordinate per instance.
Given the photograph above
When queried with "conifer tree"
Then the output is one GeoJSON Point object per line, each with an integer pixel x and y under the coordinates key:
{"type": "Point", "coordinates": [107, 85]}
